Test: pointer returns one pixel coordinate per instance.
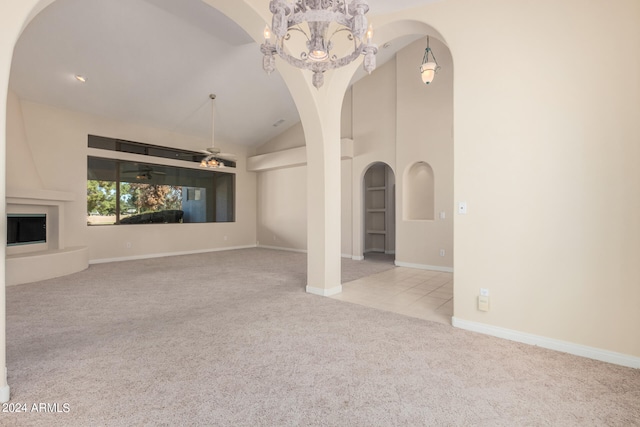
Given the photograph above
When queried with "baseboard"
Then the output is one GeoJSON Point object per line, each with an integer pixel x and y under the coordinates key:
{"type": "Point", "coordinates": [357, 258]}
{"type": "Point", "coordinates": [390, 252]}
{"type": "Point", "coordinates": [166, 254]}
{"type": "Point", "coordinates": [302, 251]}
{"type": "Point", "coordinates": [550, 343]}
{"type": "Point", "coordinates": [282, 248]}
{"type": "Point", "coordinates": [376, 250]}
{"type": "Point", "coordinates": [425, 267]}
{"type": "Point", "coordinates": [324, 292]}
{"type": "Point", "coordinates": [5, 394]}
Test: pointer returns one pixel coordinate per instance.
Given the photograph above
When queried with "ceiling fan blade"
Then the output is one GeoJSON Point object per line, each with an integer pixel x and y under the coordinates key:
{"type": "Point", "coordinates": [143, 171]}
{"type": "Point", "coordinates": [227, 156]}
{"type": "Point", "coordinates": [211, 150]}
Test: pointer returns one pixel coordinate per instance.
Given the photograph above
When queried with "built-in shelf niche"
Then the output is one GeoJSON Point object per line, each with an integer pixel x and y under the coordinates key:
{"type": "Point", "coordinates": [379, 204]}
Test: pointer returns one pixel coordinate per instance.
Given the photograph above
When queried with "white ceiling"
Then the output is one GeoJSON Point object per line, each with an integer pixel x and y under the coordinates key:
{"type": "Point", "coordinates": [154, 62]}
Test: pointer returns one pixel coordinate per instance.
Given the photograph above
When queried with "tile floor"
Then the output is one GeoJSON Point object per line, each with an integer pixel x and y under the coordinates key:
{"type": "Point", "coordinates": [424, 294]}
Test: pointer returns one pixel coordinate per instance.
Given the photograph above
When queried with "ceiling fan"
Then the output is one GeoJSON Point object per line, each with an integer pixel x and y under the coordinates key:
{"type": "Point", "coordinates": [214, 158]}
{"type": "Point", "coordinates": [143, 172]}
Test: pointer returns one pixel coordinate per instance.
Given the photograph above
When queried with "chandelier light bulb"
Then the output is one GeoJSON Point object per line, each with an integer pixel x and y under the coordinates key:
{"type": "Point", "coordinates": [318, 55]}
{"type": "Point", "coordinates": [369, 33]}
{"type": "Point", "coordinates": [267, 33]}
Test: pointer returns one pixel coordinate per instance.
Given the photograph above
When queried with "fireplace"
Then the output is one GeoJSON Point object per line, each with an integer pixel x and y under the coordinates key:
{"type": "Point", "coordinates": [25, 229]}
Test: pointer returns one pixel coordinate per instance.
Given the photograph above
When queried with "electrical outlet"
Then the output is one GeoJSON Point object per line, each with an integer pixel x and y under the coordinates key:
{"type": "Point", "coordinates": [441, 252]}
{"type": "Point", "coordinates": [462, 208]}
{"type": "Point", "coordinates": [127, 245]}
{"type": "Point", "coordinates": [483, 303]}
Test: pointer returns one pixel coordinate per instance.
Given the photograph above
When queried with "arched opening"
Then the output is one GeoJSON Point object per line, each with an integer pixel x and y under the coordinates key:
{"type": "Point", "coordinates": [312, 157]}
{"type": "Point", "coordinates": [379, 212]}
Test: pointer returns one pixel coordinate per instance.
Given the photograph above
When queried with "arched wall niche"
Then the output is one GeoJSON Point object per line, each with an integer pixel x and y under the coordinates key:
{"type": "Point", "coordinates": [419, 193]}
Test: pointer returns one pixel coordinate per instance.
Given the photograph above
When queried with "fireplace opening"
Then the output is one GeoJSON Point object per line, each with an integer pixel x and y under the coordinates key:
{"type": "Point", "coordinates": [24, 229]}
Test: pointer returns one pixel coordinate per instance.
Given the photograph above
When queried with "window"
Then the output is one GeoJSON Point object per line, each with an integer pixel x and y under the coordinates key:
{"type": "Point", "coordinates": [126, 192]}
{"type": "Point", "coordinates": [113, 144]}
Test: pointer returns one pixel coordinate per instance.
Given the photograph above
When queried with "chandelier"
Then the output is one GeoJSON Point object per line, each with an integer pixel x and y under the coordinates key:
{"type": "Point", "coordinates": [328, 33]}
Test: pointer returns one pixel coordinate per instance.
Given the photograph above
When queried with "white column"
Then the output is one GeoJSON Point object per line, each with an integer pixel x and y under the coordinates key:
{"type": "Point", "coordinates": [14, 15]}
{"type": "Point", "coordinates": [323, 197]}
{"type": "Point", "coordinates": [357, 213]}
{"type": "Point", "coordinates": [5, 56]}
{"type": "Point", "coordinates": [5, 65]}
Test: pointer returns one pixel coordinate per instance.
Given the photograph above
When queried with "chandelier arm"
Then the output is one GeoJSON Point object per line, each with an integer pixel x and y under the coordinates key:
{"type": "Point", "coordinates": [434, 59]}
{"type": "Point", "coordinates": [296, 28]}
{"type": "Point", "coordinates": [319, 16]}
{"type": "Point", "coordinates": [348, 30]}
{"type": "Point", "coordinates": [326, 65]}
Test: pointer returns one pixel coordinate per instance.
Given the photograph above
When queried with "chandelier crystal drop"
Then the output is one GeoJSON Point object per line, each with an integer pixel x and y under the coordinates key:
{"type": "Point", "coordinates": [328, 34]}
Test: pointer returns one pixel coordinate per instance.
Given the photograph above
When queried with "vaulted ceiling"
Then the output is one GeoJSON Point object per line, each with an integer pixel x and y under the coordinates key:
{"type": "Point", "coordinates": [154, 62]}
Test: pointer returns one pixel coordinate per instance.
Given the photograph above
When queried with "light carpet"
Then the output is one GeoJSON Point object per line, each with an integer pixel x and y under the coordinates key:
{"type": "Point", "coordinates": [231, 339]}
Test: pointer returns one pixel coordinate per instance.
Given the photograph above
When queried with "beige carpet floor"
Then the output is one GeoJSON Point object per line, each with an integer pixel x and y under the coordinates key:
{"type": "Point", "coordinates": [232, 339]}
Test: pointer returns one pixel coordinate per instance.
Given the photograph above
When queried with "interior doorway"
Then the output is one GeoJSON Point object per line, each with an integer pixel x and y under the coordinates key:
{"type": "Point", "coordinates": [379, 213]}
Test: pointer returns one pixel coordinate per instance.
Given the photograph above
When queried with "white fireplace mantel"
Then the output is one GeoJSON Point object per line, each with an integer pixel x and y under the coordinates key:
{"type": "Point", "coordinates": [30, 263]}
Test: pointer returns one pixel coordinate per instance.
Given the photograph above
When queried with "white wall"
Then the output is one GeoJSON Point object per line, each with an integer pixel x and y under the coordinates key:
{"type": "Point", "coordinates": [425, 134]}
{"type": "Point", "coordinates": [57, 140]}
{"type": "Point", "coordinates": [21, 171]}
{"type": "Point", "coordinates": [282, 208]}
{"type": "Point", "coordinates": [546, 158]}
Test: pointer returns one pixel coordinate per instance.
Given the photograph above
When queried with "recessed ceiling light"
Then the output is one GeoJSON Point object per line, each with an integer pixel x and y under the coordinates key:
{"type": "Point", "coordinates": [386, 45]}
{"type": "Point", "coordinates": [278, 123]}
{"type": "Point", "coordinates": [80, 78]}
